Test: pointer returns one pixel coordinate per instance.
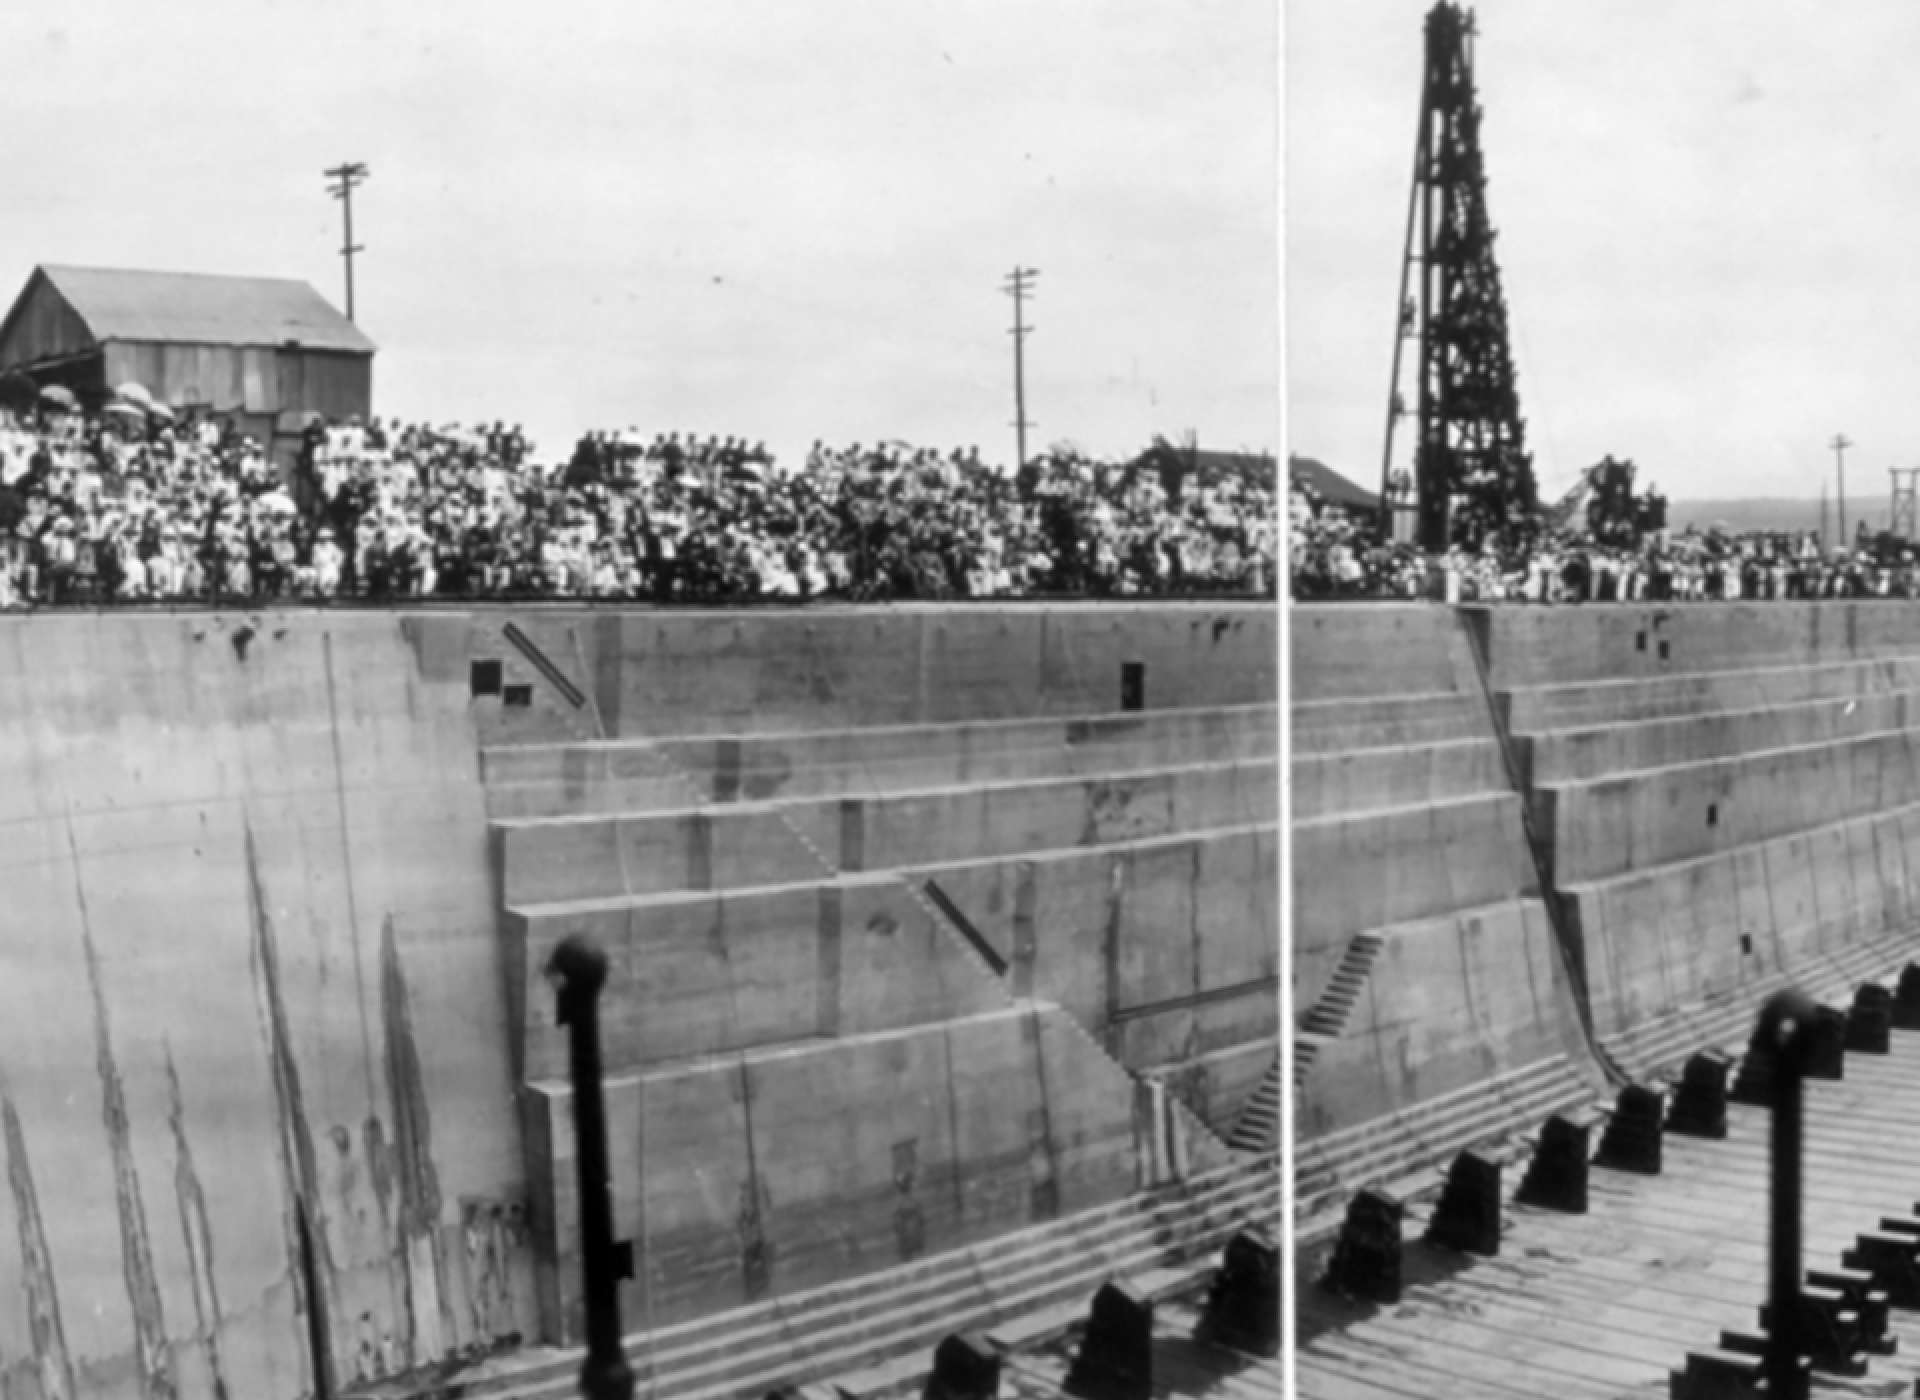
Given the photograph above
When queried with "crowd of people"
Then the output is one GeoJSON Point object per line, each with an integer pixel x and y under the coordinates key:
{"type": "Point", "coordinates": [1335, 554]}
{"type": "Point", "coordinates": [131, 505]}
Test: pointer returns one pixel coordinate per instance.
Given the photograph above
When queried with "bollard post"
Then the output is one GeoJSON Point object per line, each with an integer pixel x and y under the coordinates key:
{"type": "Point", "coordinates": [1787, 1027]}
{"type": "Point", "coordinates": [578, 970]}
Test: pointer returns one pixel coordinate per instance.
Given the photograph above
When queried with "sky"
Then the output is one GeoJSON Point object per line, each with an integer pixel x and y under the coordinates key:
{"type": "Point", "coordinates": [743, 217]}
{"type": "Point", "coordinates": [1707, 220]}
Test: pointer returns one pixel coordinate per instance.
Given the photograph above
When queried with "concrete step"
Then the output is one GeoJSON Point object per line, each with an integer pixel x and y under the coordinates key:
{"type": "Point", "coordinates": [1592, 752]}
{"type": "Point", "coordinates": [1552, 707]}
{"type": "Point", "coordinates": [642, 900]}
{"type": "Point", "coordinates": [1660, 1043]}
{"type": "Point", "coordinates": [1431, 1132]}
{"type": "Point", "coordinates": [906, 1376]}
{"type": "Point", "coordinates": [1320, 1196]}
{"type": "Point", "coordinates": [1358, 780]}
{"type": "Point", "coordinates": [1257, 1129]}
{"type": "Point", "coordinates": [633, 774]}
{"type": "Point", "coordinates": [741, 844]}
{"type": "Point", "coordinates": [1337, 726]}
{"type": "Point", "coordinates": [828, 1325]}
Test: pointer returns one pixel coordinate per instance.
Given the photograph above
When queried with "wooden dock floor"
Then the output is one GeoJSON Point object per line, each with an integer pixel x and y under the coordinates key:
{"type": "Point", "coordinates": [1607, 1304]}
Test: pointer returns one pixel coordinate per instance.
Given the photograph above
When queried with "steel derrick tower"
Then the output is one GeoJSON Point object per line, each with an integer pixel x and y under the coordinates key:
{"type": "Point", "coordinates": [1471, 472]}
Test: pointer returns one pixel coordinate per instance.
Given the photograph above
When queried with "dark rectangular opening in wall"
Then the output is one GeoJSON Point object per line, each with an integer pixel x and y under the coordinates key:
{"type": "Point", "coordinates": [518, 695]}
{"type": "Point", "coordinates": [1133, 685]}
{"type": "Point", "coordinates": [1663, 651]}
{"type": "Point", "coordinates": [1639, 641]}
{"type": "Point", "coordinates": [1713, 814]}
{"type": "Point", "coordinates": [484, 678]}
{"type": "Point", "coordinates": [1746, 943]}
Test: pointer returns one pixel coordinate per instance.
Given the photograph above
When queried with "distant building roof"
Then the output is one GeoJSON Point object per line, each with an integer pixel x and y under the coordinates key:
{"type": "Point", "coordinates": [1211, 464]}
{"type": "Point", "coordinates": [201, 309]}
{"type": "Point", "coordinates": [1178, 462]}
{"type": "Point", "coordinates": [1329, 485]}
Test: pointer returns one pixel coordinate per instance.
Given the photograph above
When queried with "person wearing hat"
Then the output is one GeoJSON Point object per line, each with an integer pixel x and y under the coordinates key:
{"type": "Point", "coordinates": [327, 561]}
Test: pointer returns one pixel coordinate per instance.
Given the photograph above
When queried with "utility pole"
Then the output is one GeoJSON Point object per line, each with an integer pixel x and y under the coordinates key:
{"type": "Point", "coordinates": [345, 177]}
{"type": "Point", "coordinates": [1020, 287]}
{"type": "Point", "coordinates": [1840, 444]}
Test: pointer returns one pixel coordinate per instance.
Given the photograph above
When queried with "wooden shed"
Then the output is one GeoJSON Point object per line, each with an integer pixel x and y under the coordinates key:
{"type": "Point", "coordinates": [264, 350]}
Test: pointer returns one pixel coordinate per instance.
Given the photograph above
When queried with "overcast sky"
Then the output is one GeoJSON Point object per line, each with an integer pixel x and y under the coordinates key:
{"type": "Point", "coordinates": [772, 219]}
{"type": "Point", "coordinates": [1707, 232]}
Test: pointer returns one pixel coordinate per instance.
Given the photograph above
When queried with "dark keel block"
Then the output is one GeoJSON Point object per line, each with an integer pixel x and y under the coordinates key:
{"type": "Point", "coordinates": [1243, 1307]}
{"type": "Point", "coordinates": [1830, 1332]}
{"type": "Point", "coordinates": [965, 1367]}
{"type": "Point", "coordinates": [1906, 999]}
{"type": "Point", "coordinates": [1867, 1302]}
{"type": "Point", "coordinates": [1468, 1215]}
{"type": "Point", "coordinates": [1366, 1258]}
{"type": "Point", "coordinates": [1826, 1058]}
{"type": "Point", "coordinates": [1700, 1103]}
{"type": "Point", "coordinates": [1115, 1359]}
{"type": "Point", "coordinates": [1892, 1261]}
{"type": "Point", "coordinates": [1870, 1020]}
{"type": "Point", "coordinates": [1556, 1178]}
{"type": "Point", "coordinates": [1631, 1142]}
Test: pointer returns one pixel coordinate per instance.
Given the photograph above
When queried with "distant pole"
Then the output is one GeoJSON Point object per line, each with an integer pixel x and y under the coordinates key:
{"type": "Point", "coordinates": [344, 178]}
{"type": "Point", "coordinates": [1020, 287]}
{"type": "Point", "coordinates": [1840, 444]}
{"type": "Point", "coordinates": [1900, 512]}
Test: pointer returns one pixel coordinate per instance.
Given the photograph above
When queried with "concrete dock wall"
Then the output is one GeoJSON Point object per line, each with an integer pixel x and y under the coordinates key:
{"type": "Point", "coordinates": [1722, 798]}
{"type": "Point", "coordinates": [261, 1023]}
{"type": "Point", "coordinates": [1424, 965]}
{"type": "Point", "coordinates": [251, 983]}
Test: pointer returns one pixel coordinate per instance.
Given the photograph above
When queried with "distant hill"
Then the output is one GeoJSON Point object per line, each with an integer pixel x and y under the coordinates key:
{"type": "Point", "coordinates": [1741, 514]}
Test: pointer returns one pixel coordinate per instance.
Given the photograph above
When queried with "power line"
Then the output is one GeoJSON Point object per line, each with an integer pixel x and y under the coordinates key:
{"type": "Point", "coordinates": [345, 177]}
{"type": "Point", "coordinates": [1020, 286]}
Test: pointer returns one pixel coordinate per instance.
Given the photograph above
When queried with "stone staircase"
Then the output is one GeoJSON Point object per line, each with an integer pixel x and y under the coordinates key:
{"type": "Point", "coordinates": [1258, 1128]}
{"type": "Point", "coordinates": [1328, 1015]}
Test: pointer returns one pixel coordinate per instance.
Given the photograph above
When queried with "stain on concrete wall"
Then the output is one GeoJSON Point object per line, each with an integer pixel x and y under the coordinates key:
{"type": "Point", "coordinates": [299, 1168]}
{"type": "Point", "coordinates": [196, 1230]}
{"type": "Point", "coordinates": [53, 1369]}
{"type": "Point", "coordinates": [412, 1157]}
{"type": "Point", "coordinates": [187, 825]}
{"type": "Point", "coordinates": [154, 1358]}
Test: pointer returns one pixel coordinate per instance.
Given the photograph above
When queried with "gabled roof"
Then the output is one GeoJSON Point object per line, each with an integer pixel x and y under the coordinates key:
{"type": "Point", "coordinates": [1329, 485]}
{"type": "Point", "coordinates": [201, 309]}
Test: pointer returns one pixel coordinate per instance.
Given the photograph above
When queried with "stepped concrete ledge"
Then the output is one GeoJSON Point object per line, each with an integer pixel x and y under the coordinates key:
{"type": "Point", "coordinates": [1071, 730]}
{"type": "Point", "coordinates": [1362, 780]}
{"type": "Point", "coordinates": [726, 768]}
{"type": "Point", "coordinates": [1610, 1303]}
{"type": "Point", "coordinates": [1658, 1045]}
{"type": "Point", "coordinates": [1409, 1150]}
{"type": "Point", "coordinates": [1355, 709]}
{"type": "Point", "coordinates": [1658, 816]}
{"type": "Point", "coordinates": [1532, 708]}
{"type": "Point", "coordinates": [672, 899]}
{"type": "Point", "coordinates": [840, 1329]}
{"type": "Point", "coordinates": [1183, 1364]}
{"type": "Point", "coordinates": [1470, 800]}
{"type": "Point", "coordinates": [725, 846]}
{"type": "Point", "coordinates": [1007, 786]}
{"type": "Point", "coordinates": [1016, 1010]}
